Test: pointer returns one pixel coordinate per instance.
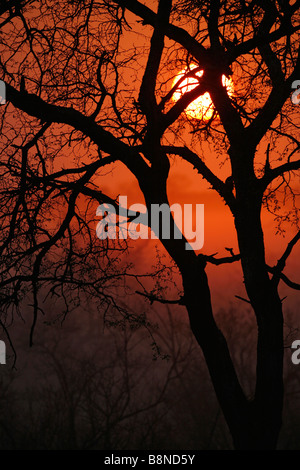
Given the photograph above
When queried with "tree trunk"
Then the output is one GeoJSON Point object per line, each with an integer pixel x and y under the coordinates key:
{"type": "Point", "coordinates": [253, 424]}
{"type": "Point", "coordinates": [266, 408]}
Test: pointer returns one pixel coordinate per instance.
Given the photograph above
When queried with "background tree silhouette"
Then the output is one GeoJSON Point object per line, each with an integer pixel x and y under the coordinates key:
{"type": "Point", "coordinates": [84, 92]}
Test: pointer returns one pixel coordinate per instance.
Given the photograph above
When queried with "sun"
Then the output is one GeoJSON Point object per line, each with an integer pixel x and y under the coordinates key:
{"type": "Point", "coordinates": [201, 108]}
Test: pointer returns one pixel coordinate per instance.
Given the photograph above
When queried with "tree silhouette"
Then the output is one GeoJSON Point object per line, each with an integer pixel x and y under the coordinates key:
{"type": "Point", "coordinates": [85, 90]}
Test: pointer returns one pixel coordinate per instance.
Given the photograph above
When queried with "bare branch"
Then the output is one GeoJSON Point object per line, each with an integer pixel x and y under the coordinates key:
{"type": "Point", "coordinates": [218, 261]}
{"type": "Point", "coordinates": [147, 92]}
{"type": "Point", "coordinates": [267, 114]}
{"type": "Point", "coordinates": [277, 270]}
{"type": "Point", "coordinates": [203, 169]}
{"type": "Point", "coordinates": [242, 298]}
{"type": "Point", "coordinates": [213, 24]}
{"type": "Point", "coordinates": [274, 173]}
{"type": "Point", "coordinates": [270, 58]}
{"type": "Point", "coordinates": [153, 298]}
{"type": "Point", "coordinates": [173, 32]}
{"type": "Point", "coordinates": [35, 106]}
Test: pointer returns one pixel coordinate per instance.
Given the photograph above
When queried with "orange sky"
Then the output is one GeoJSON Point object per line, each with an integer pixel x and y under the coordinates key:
{"type": "Point", "coordinates": [186, 186]}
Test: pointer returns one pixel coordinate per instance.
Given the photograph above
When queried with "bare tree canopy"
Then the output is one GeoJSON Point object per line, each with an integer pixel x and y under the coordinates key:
{"type": "Point", "coordinates": [92, 84]}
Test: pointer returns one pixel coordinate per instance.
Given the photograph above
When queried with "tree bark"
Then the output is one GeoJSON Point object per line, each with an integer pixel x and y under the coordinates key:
{"type": "Point", "coordinates": [253, 424]}
{"type": "Point", "coordinates": [266, 408]}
